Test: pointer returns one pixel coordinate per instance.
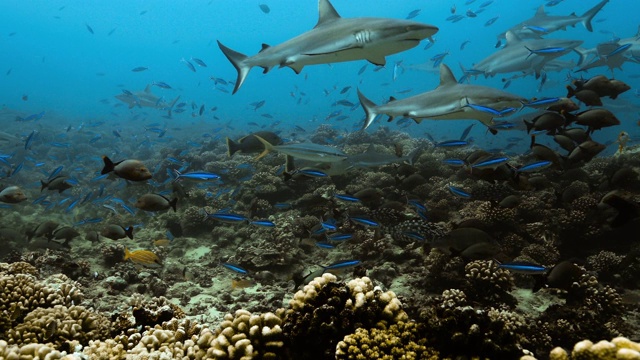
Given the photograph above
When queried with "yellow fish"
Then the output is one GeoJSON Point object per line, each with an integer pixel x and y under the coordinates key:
{"type": "Point", "coordinates": [142, 257]}
{"type": "Point", "coordinates": [623, 138]}
{"type": "Point", "coordinates": [162, 242]}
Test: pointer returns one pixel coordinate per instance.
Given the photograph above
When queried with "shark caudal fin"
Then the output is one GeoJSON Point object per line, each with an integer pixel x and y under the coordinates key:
{"type": "Point", "coordinates": [582, 53]}
{"type": "Point", "coordinates": [369, 110]}
{"type": "Point", "coordinates": [588, 16]}
{"type": "Point", "coordinates": [237, 60]}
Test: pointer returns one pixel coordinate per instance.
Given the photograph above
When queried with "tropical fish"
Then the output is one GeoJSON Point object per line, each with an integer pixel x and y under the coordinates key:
{"type": "Point", "coordinates": [155, 202]}
{"type": "Point", "coordinates": [147, 99]}
{"type": "Point", "coordinates": [133, 170]}
{"type": "Point", "coordinates": [60, 183]}
{"type": "Point", "coordinates": [142, 257]}
{"type": "Point", "coordinates": [250, 144]}
{"type": "Point", "coordinates": [12, 195]}
{"type": "Point", "coordinates": [195, 175]}
{"type": "Point", "coordinates": [334, 39]}
{"type": "Point", "coordinates": [116, 232]}
{"type": "Point", "coordinates": [306, 151]}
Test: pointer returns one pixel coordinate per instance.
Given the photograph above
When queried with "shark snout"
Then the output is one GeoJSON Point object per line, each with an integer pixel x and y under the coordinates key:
{"type": "Point", "coordinates": [420, 30]}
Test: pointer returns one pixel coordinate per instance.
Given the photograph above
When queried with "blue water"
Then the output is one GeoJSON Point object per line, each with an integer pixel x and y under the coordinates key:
{"type": "Point", "coordinates": [65, 70]}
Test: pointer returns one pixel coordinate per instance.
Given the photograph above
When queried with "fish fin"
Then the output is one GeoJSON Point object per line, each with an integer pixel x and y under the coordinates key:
{"type": "Point", "coordinates": [173, 203]}
{"type": "Point", "coordinates": [413, 155]}
{"type": "Point", "coordinates": [109, 166]}
{"type": "Point", "coordinates": [264, 47]}
{"type": "Point", "coordinates": [147, 89]}
{"type": "Point", "coordinates": [391, 98]}
{"type": "Point", "coordinates": [289, 165]}
{"type": "Point", "coordinates": [512, 38]}
{"type": "Point", "coordinates": [238, 61]}
{"type": "Point", "coordinates": [570, 92]}
{"type": "Point", "coordinates": [127, 253]}
{"type": "Point", "coordinates": [529, 125]}
{"type": "Point", "coordinates": [378, 60]}
{"type": "Point", "coordinates": [129, 232]}
{"type": "Point", "coordinates": [232, 147]}
{"type": "Point", "coordinates": [591, 13]}
{"type": "Point", "coordinates": [369, 109]}
{"type": "Point", "coordinates": [326, 13]}
{"type": "Point", "coordinates": [540, 11]}
{"type": "Point", "coordinates": [267, 147]}
{"type": "Point", "coordinates": [296, 67]}
{"type": "Point", "coordinates": [43, 185]}
{"type": "Point", "coordinates": [446, 76]}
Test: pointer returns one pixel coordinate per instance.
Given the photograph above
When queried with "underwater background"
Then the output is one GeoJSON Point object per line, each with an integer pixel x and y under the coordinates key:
{"type": "Point", "coordinates": [147, 224]}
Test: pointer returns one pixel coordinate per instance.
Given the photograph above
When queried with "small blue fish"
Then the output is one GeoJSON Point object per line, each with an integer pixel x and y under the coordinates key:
{"type": "Point", "coordinates": [72, 205]}
{"type": "Point", "coordinates": [414, 235]}
{"type": "Point", "coordinates": [364, 221]}
{"type": "Point", "coordinates": [523, 268]}
{"type": "Point", "coordinates": [324, 245]}
{"type": "Point", "coordinates": [417, 204]}
{"type": "Point", "coordinates": [339, 237]}
{"type": "Point", "coordinates": [490, 163]}
{"type": "Point", "coordinates": [189, 65]}
{"type": "Point", "coordinates": [227, 217]}
{"type": "Point", "coordinates": [546, 51]}
{"type": "Point", "coordinates": [263, 223]}
{"type": "Point", "coordinates": [452, 143]}
{"type": "Point", "coordinates": [311, 173]}
{"type": "Point", "coordinates": [27, 143]}
{"type": "Point", "coordinates": [161, 84]}
{"type": "Point", "coordinates": [199, 62]}
{"type": "Point", "coordinates": [236, 268]}
{"type": "Point", "coordinates": [542, 102]}
{"type": "Point", "coordinates": [536, 166]}
{"type": "Point", "coordinates": [195, 175]}
{"type": "Point", "coordinates": [342, 264]}
{"type": "Point", "coordinates": [459, 192]}
{"type": "Point", "coordinates": [491, 21]}
{"type": "Point", "coordinates": [483, 108]}
{"type": "Point", "coordinates": [618, 50]}
{"type": "Point", "coordinates": [347, 198]}
{"type": "Point", "coordinates": [282, 206]}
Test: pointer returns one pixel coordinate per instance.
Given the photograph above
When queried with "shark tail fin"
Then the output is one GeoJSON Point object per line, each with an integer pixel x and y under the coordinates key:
{"type": "Point", "coordinates": [582, 53]}
{"type": "Point", "coordinates": [413, 155]}
{"type": "Point", "coordinates": [588, 16]}
{"type": "Point", "coordinates": [369, 110]}
{"type": "Point", "coordinates": [267, 147]}
{"type": "Point", "coordinates": [238, 61]}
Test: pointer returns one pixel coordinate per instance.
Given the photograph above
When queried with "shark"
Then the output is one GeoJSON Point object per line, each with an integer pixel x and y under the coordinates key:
{"type": "Point", "coordinates": [449, 101]}
{"type": "Point", "coordinates": [542, 24]}
{"type": "Point", "coordinates": [334, 39]}
{"type": "Point", "coordinates": [146, 99]}
{"type": "Point", "coordinates": [601, 58]}
{"type": "Point", "coordinates": [518, 55]}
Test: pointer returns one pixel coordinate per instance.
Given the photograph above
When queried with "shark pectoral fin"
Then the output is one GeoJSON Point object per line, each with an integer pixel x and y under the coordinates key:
{"type": "Point", "coordinates": [417, 120]}
{"type": "Point", "coordinates": [376, 59]}
{"type": "Point", "coordinates": [297, 67]}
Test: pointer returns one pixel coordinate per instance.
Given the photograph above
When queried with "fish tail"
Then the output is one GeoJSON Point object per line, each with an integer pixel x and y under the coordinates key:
{"type": "Point", "coordinates": [589, 15]}
{"type": "Point", "coordinates": [582, 53]}
{"type": "Point", "coordinates": [413, 156]}
{"type": "Point", "coordinates": [129, 232]}
{"type": "Point", "coordinates": [369, 109]}
{"type": "Point", "coordinates": [43, 185]}
{"type": "Point", "coordinates": [108, 165]}
{"type": "Point", "coordinates": [127, 254]}
{"type": "Point", "coordinates": [177, 175]}
{"type": "Point", "coordinates": [238, 61]}
{"type": "Point", "coordinates": [267, 147]}
{"type": "Point", "coordinates": [571, 92]}
{"type": "Point", "coordinates": [232, 147]}
{"type": "Point", "coordinates": [173, 203]}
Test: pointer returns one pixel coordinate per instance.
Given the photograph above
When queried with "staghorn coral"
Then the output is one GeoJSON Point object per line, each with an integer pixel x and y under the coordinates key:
{"type": "Point", "coordinates": [398, 341]}
{"type": "Point", "coordinates": [60, 325]}
{"type": "Point", "coordinates": [324, 311]}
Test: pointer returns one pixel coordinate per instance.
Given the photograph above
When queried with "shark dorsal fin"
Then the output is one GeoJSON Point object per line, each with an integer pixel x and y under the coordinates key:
{"type": "Point", "coordinates": [540, 11]}
{"type": "Point", "coordinates": [391, 98]}
{"type": "Point", "coordinates": [148, 89]}
{"type": "Point", "coordinates": [446, 76]}
{"type": "Point", "coordinates": [511, 37]}
{"type": "Point", "coordinates": [264, 47]}
{"type": "Point", "coordinates": [326, 13]}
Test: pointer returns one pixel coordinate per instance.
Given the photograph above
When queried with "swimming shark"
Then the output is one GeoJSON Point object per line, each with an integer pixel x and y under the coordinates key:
{"type": "Point", "coordinates": [520, 55]}
{"type": "Point", "coordinates": [334, 39]}
{"type": "Point", "coordinates": [449, 101]}
{"type": "Point", "coordinates": [542, 24]}
{"type": "Point", "coordinates": [146, 99]}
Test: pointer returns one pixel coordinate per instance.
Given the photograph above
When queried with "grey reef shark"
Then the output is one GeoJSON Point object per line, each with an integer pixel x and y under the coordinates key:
{"type": "Point", "coordinates": [334, 39]}
{"type": "Point", "coordinates": [449, 101]}
{"type": "Point", "coordinates": [146, 99]}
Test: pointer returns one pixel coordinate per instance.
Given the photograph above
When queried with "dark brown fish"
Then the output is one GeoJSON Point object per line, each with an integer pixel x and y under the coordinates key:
{"type": "Point", "coordinates": [250, 144]}
{"type": "Point", "coordinates": [45, 230]}
{"type": "Point", "coordinates": [155, 202]}
{"type": "Point", "coordinates": [115, 232]}
{"type": "Point", "coordinates": [57, 183]}
{"type": "Point", "coordinates": [12, 195]}
{"type": "Point", "coordinates": [133, 170]}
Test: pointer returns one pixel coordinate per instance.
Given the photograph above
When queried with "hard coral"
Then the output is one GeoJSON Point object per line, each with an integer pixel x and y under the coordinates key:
{"type": "Point", "coordinates": [398, 341]}
{"type": "Point", "coordinates": [324, 311]}
{"type": "Point", "coordinates": [618, 348]}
